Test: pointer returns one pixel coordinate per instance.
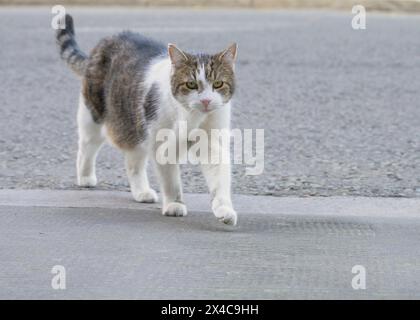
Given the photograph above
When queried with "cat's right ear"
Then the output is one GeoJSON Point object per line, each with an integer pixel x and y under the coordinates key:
{"type": "Point", "coordinates": [176, 55]}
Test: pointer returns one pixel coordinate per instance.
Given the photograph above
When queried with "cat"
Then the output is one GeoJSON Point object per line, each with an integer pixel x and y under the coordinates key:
{"type": "Point", "coordinates": [132, 86]}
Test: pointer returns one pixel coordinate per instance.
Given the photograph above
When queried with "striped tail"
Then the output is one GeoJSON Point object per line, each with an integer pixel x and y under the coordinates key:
{"type": "Point", "coordinates": [69, 50]}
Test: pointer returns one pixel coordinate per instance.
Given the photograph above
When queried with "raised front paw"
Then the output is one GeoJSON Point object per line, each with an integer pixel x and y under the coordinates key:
{"type": "Point", "coordinates": [148, 196]}
{"type": "Point", "coordinates": [175, 209]}
{"type": "Point", "coordinates": [226, 214]}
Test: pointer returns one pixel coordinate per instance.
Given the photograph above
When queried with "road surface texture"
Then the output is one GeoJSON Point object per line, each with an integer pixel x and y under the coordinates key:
{"type": "Point", "coordinates": [340, 108]}
{"type": "Point", "coordinates": [112, 247]}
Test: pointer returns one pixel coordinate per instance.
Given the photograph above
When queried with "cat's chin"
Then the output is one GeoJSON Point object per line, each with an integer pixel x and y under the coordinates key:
{"type": "Point", "coordinates": [204, 111]}
{"type": "Point", "coordinates": [198, 108]}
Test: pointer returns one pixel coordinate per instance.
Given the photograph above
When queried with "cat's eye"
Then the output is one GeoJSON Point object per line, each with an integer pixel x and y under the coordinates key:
{"type": "Point", "coordinates": [191, 85]}
{"type": "Point", "coordinates": [217, 84]}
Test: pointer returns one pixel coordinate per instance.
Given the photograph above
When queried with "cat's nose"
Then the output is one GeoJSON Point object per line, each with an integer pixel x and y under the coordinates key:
{"type": "Point", "coordinates": [205, 102]}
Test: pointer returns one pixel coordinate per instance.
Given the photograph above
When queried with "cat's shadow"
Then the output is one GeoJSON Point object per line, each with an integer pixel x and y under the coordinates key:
{"type": "Point", "coordinates": [198, 221]}
{"type": "Point", "coordinates": [201, 221]}
{"type": "Point", "coordinates": [138, 214]}
{"type": "Point", "coordinates": [121, 209]}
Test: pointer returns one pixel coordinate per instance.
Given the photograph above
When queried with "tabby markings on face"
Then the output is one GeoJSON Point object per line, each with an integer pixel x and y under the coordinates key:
{"type": "Point", "coordinates": [203, 82]}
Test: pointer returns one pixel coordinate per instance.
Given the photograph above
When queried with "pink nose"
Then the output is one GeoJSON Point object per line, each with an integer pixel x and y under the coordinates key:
{"type": "Point", "coordinates": [205, 102]}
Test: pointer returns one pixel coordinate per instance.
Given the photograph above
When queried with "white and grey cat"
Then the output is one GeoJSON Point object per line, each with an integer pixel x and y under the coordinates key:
{"type": "Point", "coordinates": [132, 87]}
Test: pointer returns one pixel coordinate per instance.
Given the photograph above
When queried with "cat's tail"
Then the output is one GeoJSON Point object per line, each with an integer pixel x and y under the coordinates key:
{"type": "Point", "coordinates": [69, 50]}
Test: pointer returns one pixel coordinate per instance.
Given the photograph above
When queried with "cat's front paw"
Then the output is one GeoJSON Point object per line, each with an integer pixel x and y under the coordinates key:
{"type": "Point", "coordinates": [226, 214]}
{"type": "Point", "coordinates": [87, 181]}
{"type": "Point", "coordinates": [175, 209]}
{"type": "Point", "coordinates": [148, 196]}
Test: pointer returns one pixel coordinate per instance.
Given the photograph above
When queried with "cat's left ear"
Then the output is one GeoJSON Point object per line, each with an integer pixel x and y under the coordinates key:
{"type": "Point", "coordinates": [176, 55]}
{"type": "Point", "coordinates": [229, 55]}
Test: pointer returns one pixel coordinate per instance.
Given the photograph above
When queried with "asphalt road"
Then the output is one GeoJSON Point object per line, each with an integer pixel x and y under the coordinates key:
{"type": "Point", "coordinates": [112, 247]}
{"type": "Point", "coordinates": [340, 108]}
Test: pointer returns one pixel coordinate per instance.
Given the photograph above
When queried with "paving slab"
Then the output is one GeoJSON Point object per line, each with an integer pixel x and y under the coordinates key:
{"type": "Point", "coordinates": [283, 248]}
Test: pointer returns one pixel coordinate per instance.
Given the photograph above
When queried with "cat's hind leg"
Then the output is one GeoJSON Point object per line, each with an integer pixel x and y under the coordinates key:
{"type": "Point", "coordinates": [135, 164]}
{"type": "Point", "coordinates": [91, 138]}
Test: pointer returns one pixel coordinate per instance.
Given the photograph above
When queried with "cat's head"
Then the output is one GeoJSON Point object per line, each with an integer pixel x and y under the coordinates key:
{"type": "Point", "coordinates": [201, 81]}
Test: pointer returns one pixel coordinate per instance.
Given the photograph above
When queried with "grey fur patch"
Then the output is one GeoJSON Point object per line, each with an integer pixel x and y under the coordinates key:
{"type": "Point", "coordinates": [113, 86]}
{"type": "Point", "coordinates": [151, 103]}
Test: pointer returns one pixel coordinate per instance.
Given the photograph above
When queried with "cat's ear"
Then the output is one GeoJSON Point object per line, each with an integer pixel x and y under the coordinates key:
{"type": "Point", "coordinates": [229, 55]}
{"type": "Point", "coordinates": [176, 55]}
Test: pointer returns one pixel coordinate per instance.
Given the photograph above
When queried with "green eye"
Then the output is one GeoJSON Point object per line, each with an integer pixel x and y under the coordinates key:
{"type": "Point", "coordinates": [217, 84]}
{"type": "Point", "coordinates": [191, 85]}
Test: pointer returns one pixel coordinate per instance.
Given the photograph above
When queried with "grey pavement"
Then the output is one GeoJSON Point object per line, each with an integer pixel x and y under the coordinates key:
{"type": "Point", "coordinates": [340, 108]}
{"type": "Point", "coordinates": [294, 248]}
